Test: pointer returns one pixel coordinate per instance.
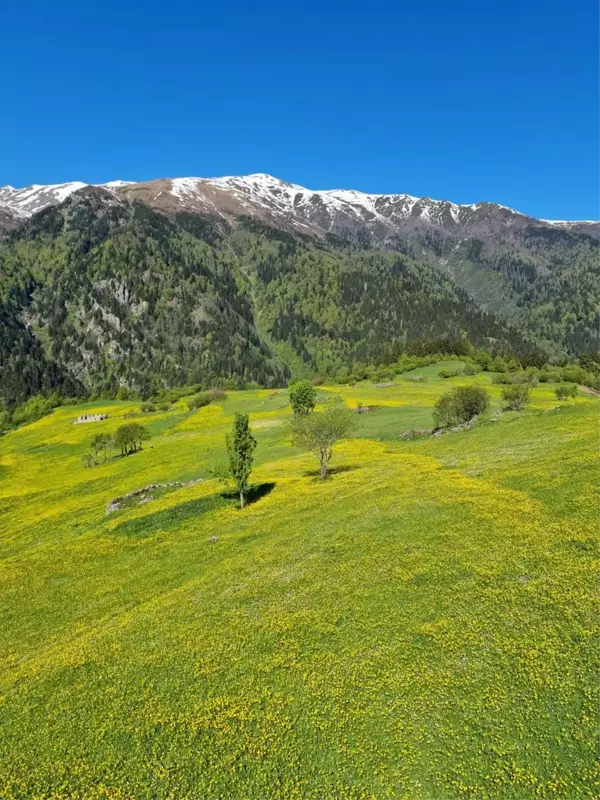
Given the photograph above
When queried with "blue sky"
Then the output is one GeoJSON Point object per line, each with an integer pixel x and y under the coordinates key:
{"type": "Point", "coordinates": [461, 100]}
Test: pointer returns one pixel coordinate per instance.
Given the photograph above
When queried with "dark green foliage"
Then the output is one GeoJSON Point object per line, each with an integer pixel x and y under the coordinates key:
{"type": "Point", "coordinates": [471, 369]}
{"type": "Point", "coordinates": [302, 397]}
{"type": "Point", "coordinates": [565, 391]}
{"type": "Point", "coordinates": [34, 408]}
{"type": "Point", "coordinates": [516, 396]}
{"type": "Point", "coordinates": [450, 373]}
{"type": "Point", "coordinates": [124, 297]}
{"type": "Point", "coordinates": [199, 401]}
{"type": "Point", "coordinates": [318, 432]}
{"type": "Point", "coordinates": [460, 405]}
{"type": "Point", "coordinates": [240, 452]}
{"type": "Point", "coordinates": [128, 438]}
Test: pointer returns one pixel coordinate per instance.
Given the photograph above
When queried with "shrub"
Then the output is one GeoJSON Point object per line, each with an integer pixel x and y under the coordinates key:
{"type": "Point", "coordinates": [416, 378]}
{"type": "Point", "coordinates": [564, 391]}
{"type": "Point", "coordinates": [318, 380]}
{"type": "Point", "coordinates": [145, 408]}
{"type": "Point", "coordinates": [216, 393]}
{"type": "Point", "coordinates": [302, 397]}
{"type": "Point", "coordinates": [199, 400]}
{"type": "Point", "coordinates": [164, 406]}
{"type": "Point", "coordinates": [516, 396]}
{"type": "Point", "coordinates": [460, 405]}
{"type": "Point", "coordinates": [449, 373]}
{"type": "Point", "coordinates": [35, 408]}
{"type": "Point", "coordinates": [471, 369]}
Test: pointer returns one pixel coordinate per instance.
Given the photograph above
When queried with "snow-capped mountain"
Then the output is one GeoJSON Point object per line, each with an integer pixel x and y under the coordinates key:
{"type": "Point", "coordinates": [345, 212]}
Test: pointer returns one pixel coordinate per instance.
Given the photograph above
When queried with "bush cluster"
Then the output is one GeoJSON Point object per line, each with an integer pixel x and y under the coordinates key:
{"type": "Point", "coordinates": [460, 405]}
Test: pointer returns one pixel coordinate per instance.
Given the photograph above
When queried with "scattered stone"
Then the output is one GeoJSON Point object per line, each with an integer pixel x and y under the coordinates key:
{"type": "Point", "coordinates": [439, 431]}
{"type": "Point", "coordinates": [212, 539]}
{"type": "Point", "coordinates": [90, 418]}
{"type": "Point", "coordinates": [144, 495]}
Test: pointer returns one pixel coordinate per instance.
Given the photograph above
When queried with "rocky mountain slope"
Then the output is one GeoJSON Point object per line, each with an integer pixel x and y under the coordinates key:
{"type": "Point", "coordinates": [377, 218]}
{"type": "Point", "coordinates": [107, 292]}
{"type": "Point", "coordinates": [192, 280]}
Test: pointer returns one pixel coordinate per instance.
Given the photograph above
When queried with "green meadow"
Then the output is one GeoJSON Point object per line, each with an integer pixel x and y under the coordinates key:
{"type": "Point", "coordinates": [423, 624]}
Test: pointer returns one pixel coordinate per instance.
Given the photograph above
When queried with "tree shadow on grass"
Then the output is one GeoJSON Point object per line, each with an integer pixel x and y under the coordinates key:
{"type": "Point", "coordinates": [253, 494]}
{"type": "Point", "coordinates": [171, 519]}
{"type": "Point", "coordinates": [315, 473]}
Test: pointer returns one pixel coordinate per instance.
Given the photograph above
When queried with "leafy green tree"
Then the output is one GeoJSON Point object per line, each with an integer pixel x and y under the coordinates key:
{"type": "Point", "coordinates": [102, 443]}
{"type": "Point", "coordinates": [88, 459]}
{"type": "Point", "coordinates": [460, 404]}
{"type": "Point", "coordinates": [516, 396]}
{"type": "Point", "coordinates": [240, 450]}
{"type": "Point", "coordinates": [303, 396]}
{"type": "Point", "coordinates": [128, 438]}
{"type": "Point", "coordinates": [320, 431]}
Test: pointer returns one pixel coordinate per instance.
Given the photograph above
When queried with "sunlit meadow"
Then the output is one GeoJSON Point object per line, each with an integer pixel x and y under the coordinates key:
{"type": "Point", "coordinates": [424, 624]}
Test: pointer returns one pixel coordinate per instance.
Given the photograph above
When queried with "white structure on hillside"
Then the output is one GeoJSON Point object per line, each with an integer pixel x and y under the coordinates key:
{"type": "Point", "coordinates": [90, 418]}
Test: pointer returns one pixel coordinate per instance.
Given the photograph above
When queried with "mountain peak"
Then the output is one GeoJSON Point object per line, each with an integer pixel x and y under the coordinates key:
{"type": "Point", "coordinates": [347, 212]}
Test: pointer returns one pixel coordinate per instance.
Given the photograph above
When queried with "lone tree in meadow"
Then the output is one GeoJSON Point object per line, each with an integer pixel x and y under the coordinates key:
{"type": "Point", "coordinates": [460, 405]}
{"type": "Point", "coordinates": [128, 438]}
{"type": "Point", "coordinates": [320, 431]}
{"type": "Point", "coordinates": [303, 396]}
{"type": "Point", "coordinates": [240, 449]}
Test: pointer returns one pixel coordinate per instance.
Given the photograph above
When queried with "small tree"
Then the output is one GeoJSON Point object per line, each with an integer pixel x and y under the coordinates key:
{"type": "Point", "coordinates": [319, 432]}
{"type": "Point", "coordinates": [102, 443]}
{"type": "Point", "coordinates": [516, 396]}
{"type": "Point", "coordinates": [303, 396]}
{"type": "Point", "coordinates": [88, 459]}
{"type": "Point", "coordinates": [240, 449]}
{"type": "Point", "coordinates": [460, 405]}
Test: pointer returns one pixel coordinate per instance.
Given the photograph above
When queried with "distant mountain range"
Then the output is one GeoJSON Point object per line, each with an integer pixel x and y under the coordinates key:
{"type": "Point", "coordinates": [251, 278]}
{"type": "Point", "coordinates": [380, 218]}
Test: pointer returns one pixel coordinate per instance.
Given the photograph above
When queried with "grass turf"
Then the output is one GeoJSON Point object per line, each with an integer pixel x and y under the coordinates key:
{"type": "Point", "coordinates": [423, 624]}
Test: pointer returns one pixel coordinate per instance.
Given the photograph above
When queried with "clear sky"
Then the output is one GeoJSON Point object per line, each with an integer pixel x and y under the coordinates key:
{"type": "Point", "coordinates": [467, 100]}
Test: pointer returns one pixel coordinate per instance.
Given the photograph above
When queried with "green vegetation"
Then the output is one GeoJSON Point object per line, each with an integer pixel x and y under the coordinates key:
{"type": "Point", "coordinates": [319, 432]}
{"type": "Point", "coordinates": [303, 396]}
{"type": "Point", "coordinates": [565, 391]}
{"type": "Point", "coordinates": [460, 405]}
{"type": "Point", "coordinates": [240, 452]}
{"type": "Point", "coordinates": [123, 301]}
{"type": "Point", "coordinates": [128, 438]}
{"type": "Point", "coordinates": [516, 396]}
{"type": "Point", "coordinates": [422, 624]}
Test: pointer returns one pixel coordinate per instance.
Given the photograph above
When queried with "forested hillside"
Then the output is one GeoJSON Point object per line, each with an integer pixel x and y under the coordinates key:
{"type": "Point", "coordinates": [99, 293]}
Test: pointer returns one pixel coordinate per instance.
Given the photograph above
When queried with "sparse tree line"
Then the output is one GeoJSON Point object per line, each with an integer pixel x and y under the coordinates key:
{"type": "Point", "coordinates": [126, 439]}
{"type": "Point", "coordinates": [505, 369]}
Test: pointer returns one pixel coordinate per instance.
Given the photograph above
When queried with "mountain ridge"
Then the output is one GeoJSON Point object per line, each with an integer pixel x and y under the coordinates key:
{"type": "Point", "coordinates": [302, 206]}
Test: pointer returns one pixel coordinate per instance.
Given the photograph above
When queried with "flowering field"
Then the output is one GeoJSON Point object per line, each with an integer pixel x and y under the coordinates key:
{"type": "Point", "coordinates": [422, 625]}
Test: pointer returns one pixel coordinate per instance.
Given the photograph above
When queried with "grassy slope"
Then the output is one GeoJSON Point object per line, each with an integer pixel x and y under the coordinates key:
{"type": "Point", "coordinates": [421, 625]}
